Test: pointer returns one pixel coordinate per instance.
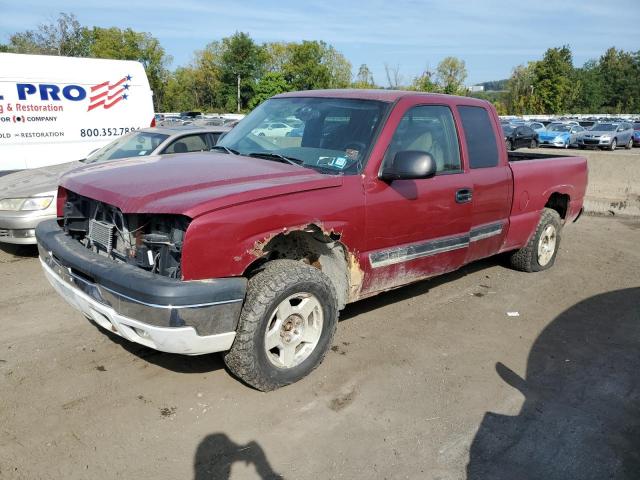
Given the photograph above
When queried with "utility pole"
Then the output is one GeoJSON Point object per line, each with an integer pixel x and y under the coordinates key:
{"type": "Point", "coordinates": [238, 93]}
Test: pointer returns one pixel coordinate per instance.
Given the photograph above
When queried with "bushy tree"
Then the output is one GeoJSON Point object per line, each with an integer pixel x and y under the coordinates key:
{"type": "Point", "coordinates": [207, 84]}
{"type": "Point", "coordinates": [424, 83]}
{"type": "Point", "coordinates": [555, 88]}
{"type": "Point", "coordinates": [64, 36]}
{"type": "Point", "coordinates": [339, 67]}
{"type": "Point", "coordinates": [519, 97]}
{"type": "Point", "coordinates": [180, 93]}
{"type": "Point", "coordinates": [240, 59]}
{"type": "Point", "coordinates": [272, 83]}
{"type": "Point", "coordinates": [128, 44]}
{"type": "Point", "coordinates": [305, 69]}
{"type": "Point", "coordinates": [620, 76]}
{"type": "Point", "coordinates": [451, 74]}
{"type": "Point", "coordinates": [364, 78]}
{"type": "Point", "coordinates": [276, 55]}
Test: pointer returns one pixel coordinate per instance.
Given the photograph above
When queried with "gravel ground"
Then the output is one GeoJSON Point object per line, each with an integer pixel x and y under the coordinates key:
{"type": "Point", "coordinates": [434, 380]}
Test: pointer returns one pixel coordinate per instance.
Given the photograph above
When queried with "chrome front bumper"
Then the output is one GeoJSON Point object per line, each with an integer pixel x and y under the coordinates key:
{"type": "Point", "coordinates": [174, 316]}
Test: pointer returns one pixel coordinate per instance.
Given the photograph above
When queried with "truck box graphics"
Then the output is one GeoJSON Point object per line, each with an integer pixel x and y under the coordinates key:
{"type": "Point", "coordinates": [59, 109]}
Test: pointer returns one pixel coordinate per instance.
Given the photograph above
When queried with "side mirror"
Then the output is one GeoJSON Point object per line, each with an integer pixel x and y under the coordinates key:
{"type": "Point", "coordinates": [410, 165]}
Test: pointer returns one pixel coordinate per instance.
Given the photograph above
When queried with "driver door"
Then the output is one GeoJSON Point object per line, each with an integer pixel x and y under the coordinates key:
{"type": "Point", "coordinates": [419, 228]}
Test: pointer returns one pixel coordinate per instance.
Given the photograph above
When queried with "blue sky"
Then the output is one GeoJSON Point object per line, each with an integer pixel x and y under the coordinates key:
{"type": "Point", "coordinates": [491, 36]}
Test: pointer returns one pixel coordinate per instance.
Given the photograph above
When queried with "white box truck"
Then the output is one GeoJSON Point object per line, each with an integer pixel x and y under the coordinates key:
{"type": "Point", "coordinates": [59, 109]}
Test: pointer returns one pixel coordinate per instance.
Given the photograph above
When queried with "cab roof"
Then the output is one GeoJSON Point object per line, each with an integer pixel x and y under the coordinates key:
{"type": "Point", "coordinates": [381, 95]}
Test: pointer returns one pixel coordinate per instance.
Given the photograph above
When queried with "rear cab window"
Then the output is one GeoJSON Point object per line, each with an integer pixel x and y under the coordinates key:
{"type": "Point", "coordinates": [482, 146]}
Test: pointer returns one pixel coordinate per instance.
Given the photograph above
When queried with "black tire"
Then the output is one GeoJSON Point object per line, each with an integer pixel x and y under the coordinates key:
{"type": "Point", "coordinates": [526, 259]}
{"type": "Point", "coordinates": [614, 144]}
{"type": "Point", "coordinates": [509, 145]}
{"type": "Point", "coordinates": [581, 147]}
{"type": "Point", "coordinates": [247, 358]}
{"type": "Point", "coordinates": [533, 144]}
{"type": "Point", "coordinates": [629, 145]}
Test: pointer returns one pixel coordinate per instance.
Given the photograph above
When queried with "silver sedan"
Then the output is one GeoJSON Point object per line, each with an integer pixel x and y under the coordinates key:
{"type": "Point", "coordinates": [28, 197]}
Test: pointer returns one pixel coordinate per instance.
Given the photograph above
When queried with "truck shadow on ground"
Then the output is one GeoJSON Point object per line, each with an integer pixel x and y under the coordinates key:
{"type": "Point", "coordinates": [20, 251]}
{"type": "Point", "coordinates": [581, 415]}
{"type": "Point", "coordinates": [214, 361]}
{"type": "Point", "coordinates": [217, 453]}
{"type": "Point", "coordinates": [175, 363]}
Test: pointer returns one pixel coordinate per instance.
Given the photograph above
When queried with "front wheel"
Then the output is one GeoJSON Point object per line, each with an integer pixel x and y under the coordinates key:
{"type": "Point", "coordinates": [540, 253]}
{"type": "Point", "coordinates": [534, 144]}
{"type": "Point", "coordinates": [614, 145]}
{"type": "Point", "coordinates": [286, 325]}
{"type": "Point", "coordinates": [509, 145]}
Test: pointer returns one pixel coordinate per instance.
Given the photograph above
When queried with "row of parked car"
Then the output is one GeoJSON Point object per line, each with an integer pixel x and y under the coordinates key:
{"type": "Point", "coordinates": [606, 134]}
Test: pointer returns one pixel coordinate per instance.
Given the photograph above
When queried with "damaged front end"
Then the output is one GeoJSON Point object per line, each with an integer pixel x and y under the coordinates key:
{"type": "Point", "coordinates": [152, 242]}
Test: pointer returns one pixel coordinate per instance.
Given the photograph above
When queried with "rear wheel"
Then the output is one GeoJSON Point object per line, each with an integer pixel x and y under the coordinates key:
{"type": "Point", "coordinates": [534, 144]}
{"type": "Point", "coordinates": [509, 145]}
{"type": "Point", "coordinates": [286, 326]}
{"type": "Point", "coordinates": [614, 145]}
{"type": "Point", "coordinates": [629, 145]}
{"type": "Point", "coordinates": [540, 253]}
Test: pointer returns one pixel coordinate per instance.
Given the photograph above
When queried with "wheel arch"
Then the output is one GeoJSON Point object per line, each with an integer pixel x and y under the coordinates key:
{"type": "Point", "coordinates": [559, 202]}
{"type": "Point", "coordinates": [321, 249]}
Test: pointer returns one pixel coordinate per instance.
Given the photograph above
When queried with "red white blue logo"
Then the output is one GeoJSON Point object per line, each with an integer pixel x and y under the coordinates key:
{"type": "Point", "coordinates": [107, 94]}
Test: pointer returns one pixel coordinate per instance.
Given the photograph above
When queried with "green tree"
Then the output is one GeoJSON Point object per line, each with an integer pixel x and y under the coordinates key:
{"type": "Point", "coordinates": [364, 78]}
{"type": "Point", "coordinates": [276, 55]}
{"type": "Point", "coordinates": [4, 48]}
{"type": "Point", "coordinates": [555, 88]}
{"type": "Point", "coordinates": [592, 89]}
{"type": "Point", "coordinates": [272, 83]}
{"type": "Point", "coordinates": [128, 44]}
{"type": "Point", "coordinates": [208, 88]}
{"type": "Point", "coordinates": [424, 83]}
{"type": "Point", "coordinates": [65, 36]}
{"type": "Point", "coordinates": [180, 93]}
{"type": "Point", "coordinates": [451, 74]}
{"type": "Point", "coordinates": [519, 96]}
{"type": "Point", "coordinates": [339, 67]}
{"type": "Point", "coordinates": [241, 60]}
{"type": "Point", "coordinates": [305, 69]}
{"type": "Point", "coordinates": [620, 76]}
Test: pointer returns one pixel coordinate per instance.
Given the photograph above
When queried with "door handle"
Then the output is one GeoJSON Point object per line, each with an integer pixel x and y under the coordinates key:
{"type": "Point", "coordinates": [464, 195]}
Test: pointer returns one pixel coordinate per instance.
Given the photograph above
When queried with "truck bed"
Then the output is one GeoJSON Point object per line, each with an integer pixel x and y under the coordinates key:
{"type": "Point", "coordinates": [519, 156]}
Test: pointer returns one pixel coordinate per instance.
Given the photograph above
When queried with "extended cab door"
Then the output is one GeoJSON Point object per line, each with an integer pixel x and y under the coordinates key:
{"type": "Point", "coordinates": [491, 178]}
{"type": "Point", "coordinates": [417, 228]}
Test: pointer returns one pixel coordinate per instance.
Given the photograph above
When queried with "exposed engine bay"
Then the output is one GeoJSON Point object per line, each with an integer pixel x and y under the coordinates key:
{"type": "Point", "coordinates": [150, 241]}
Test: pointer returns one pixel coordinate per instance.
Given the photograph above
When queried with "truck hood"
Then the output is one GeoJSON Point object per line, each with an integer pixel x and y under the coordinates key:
{"type": "Point", "coordinates": [191, 184]}
{"type": "Point", "coordinates": [32, 182]}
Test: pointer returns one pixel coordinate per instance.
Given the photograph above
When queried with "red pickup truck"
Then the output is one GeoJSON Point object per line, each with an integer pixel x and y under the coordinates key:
{"type": "Point", "coordinates": [255, 247]}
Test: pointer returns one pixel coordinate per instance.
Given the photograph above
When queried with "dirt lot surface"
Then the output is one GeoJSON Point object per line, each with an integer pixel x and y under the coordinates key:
{"type": "Point", "coordinates": [434, 380]}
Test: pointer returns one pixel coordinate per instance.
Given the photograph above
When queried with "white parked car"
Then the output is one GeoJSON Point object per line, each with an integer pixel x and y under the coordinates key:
{"type": "Point", "coordinates": [274, 129]}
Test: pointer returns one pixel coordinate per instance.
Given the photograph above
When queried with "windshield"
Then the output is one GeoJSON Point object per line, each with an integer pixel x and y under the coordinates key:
{"type": "Point", "coordinates": [332, 135]}
{"type": "Point", "coordinates": [134, 144]}
{"type": "Point", "coordinates": [559, 128]}
{"type": "Point", "coordinates": [603, 127]}
{"type": "Point", "coordinates": [507, 129]}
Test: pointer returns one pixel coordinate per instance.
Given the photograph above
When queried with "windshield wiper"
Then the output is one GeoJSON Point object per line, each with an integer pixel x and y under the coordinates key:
{"type": "Point", "coordinates": [277, 157]}
{"type": "Point", "coordinates": [225, 149]}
